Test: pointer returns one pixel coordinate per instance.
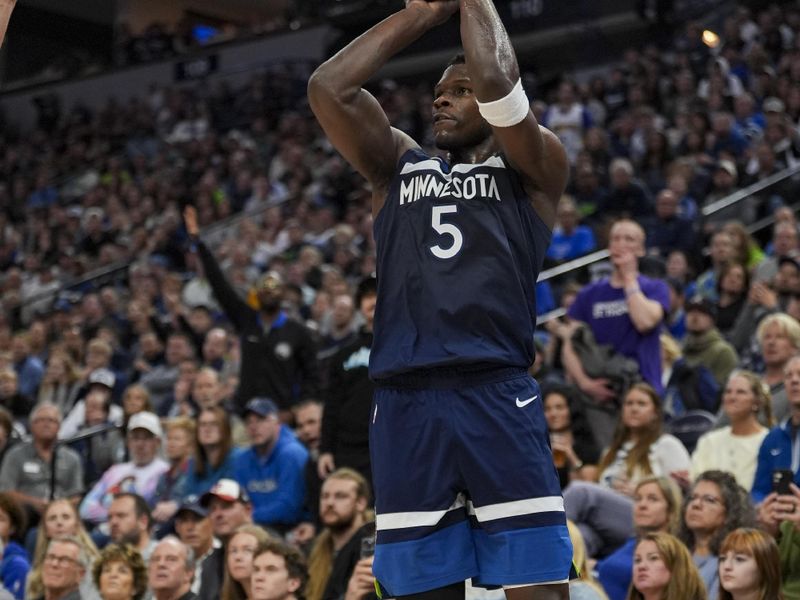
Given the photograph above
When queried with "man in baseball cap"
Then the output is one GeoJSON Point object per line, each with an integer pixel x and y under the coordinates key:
{"type": "Point", "coordinates": [272, 468]}
{"type": "Point", "coordinates": [139, 476]}
{"type": "Point", "coordinates": [228, 507]}
{"type": "Point", "coordinates": [193, 527]}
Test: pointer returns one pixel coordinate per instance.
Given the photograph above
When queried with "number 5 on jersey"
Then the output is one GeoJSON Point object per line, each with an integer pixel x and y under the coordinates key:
{"type": "Point", "coordinates": [446, 229]}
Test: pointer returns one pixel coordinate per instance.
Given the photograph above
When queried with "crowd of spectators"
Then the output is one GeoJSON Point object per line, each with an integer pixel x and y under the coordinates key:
{"type": "Point", "coordinates": [208, 394]}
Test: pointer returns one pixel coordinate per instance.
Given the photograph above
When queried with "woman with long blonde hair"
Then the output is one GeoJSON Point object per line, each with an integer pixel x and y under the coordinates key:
{"type": "Point", "coordinates": [657, 505]}
{"type": "Point", "coordinates": [663, 570]}
{"type": "Point", "coordinates": [60, 518]}
{"type": "Point", "coordinates": [239, 555]}
{"type": "Point", "coordinates": [734, 448]}
{"type": "Point", "coordinates": [640, 449]}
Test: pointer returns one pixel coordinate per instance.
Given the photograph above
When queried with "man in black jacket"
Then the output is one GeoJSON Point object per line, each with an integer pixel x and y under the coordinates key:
{"type": "Point", "coordinates": [278, 355]}
{"type": "Point", "coordinates": [345, 422]}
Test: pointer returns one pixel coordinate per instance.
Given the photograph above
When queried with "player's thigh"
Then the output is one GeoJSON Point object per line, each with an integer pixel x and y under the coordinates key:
{"type": "Point", "coordinates": [503, 442]}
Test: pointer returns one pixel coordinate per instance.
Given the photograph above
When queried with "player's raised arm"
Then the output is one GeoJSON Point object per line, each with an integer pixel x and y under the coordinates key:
{"type": "Point", "coordinates": [534, 151]}
{"type": "Point", "coordinates": [351, 117]}
{"type": "Point", "coordinates": [6, 7]}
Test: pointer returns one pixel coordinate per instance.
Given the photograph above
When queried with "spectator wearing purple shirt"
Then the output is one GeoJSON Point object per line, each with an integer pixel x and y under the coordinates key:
{"type": "Point", "coordinates": [624, 311]}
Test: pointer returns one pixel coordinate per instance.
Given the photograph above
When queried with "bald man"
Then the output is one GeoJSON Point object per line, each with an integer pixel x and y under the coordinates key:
{"type": "Point", "coordinates": [625, 312]}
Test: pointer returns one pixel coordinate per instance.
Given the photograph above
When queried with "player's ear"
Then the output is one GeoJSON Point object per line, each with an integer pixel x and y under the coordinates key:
{"type": "Point", "coordinates": [293, 584]}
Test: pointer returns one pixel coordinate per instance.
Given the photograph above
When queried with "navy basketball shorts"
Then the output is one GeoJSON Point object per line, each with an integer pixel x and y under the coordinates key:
{"type": "Point", "coordinates": [465, 485]}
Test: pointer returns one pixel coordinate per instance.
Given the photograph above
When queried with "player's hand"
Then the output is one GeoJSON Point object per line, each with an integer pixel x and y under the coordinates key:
{"type": "Point", "coordinates": [190, 220]}
{"type": "Point", "coordinates": [325, 465]}
{"type": "Point", "coordinates": [438, 11]}
{"type": "Point", "coordinates": [598, 390]}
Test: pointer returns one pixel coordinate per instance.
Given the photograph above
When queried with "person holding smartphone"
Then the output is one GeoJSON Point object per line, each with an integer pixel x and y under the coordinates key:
{"type": "Point", "coordinates": [778, 514]}
{"type": "Point", "coordinates": [781, 448]}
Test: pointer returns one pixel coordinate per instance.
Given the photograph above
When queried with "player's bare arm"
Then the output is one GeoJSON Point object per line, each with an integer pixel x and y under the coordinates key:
{"type": "Point", "coordinates": [351, 117]}
{"type": "Point", "coordinates": [6, 8]}
{"type": "Point", "coordinates": [533, 150]}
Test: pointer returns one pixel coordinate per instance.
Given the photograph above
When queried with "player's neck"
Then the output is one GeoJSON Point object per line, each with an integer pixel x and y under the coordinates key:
{"type": "Point", "coordinates": [471, 155]}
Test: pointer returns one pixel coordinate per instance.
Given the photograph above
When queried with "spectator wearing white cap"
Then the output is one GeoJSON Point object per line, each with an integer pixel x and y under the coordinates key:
{"type": "Point", "coordinates": [139, 476]}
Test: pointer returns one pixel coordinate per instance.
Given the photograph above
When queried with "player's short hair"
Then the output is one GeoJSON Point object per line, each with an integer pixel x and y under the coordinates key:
{"type": "Point", "coordinates": [458, 59]}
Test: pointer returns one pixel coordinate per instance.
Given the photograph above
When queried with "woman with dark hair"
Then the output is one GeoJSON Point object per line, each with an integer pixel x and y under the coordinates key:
{"type": "Point", "coordinates": [749, 566]}
{"type": "Point", "coordinates": [716, 505]}
{"type": "Point", "coordinates": [575, 451]}
{"type": "Point", "coordinates": [214, 452]}
{"type": "Point", "coordinates": [120, 573]}
{"type": "Point", "coordinates": [733, 286]}
{"type": "Point", "coordinates": [663, 569]}
{"type": "Point", "coordinates": [638, 450]}
{"type": "Point", "coordinates": [640, 447]}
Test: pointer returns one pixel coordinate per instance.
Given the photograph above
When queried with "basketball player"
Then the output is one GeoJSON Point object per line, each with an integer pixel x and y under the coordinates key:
{"type": "Point", "coordinates": [465, 482]}
{"type": "Point", "coordinates": [6, 7]}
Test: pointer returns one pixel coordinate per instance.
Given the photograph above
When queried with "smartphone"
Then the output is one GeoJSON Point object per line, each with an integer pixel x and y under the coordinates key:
{"type": "Point", "coordinates": [367, 546]}
{"type": "Point", "coordinates": [781, 478]}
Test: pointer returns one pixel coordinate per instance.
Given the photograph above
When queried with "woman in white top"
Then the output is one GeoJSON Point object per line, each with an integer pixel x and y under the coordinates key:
{"type": "Point", "coordinates": [734, 448]}
{"type": "Point", "coordinates": [639, 447]}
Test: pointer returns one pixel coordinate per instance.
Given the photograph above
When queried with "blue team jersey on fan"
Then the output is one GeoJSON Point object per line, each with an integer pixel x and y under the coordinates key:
{"type": "Point", "coordinates": [458, 253]}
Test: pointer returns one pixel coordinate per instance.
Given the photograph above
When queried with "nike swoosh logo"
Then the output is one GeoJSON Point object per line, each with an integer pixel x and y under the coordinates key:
{"type": "Point", "coordinates": [775, 451]}
{"type": "Point", "coordinates": [524, 403]}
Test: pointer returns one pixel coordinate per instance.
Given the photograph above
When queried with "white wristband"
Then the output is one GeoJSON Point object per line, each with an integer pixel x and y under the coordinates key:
{"type": "Point", "coordinates": [508, 110]}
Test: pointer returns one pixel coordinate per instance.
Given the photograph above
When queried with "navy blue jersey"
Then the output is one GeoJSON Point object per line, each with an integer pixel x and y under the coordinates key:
{"type": "Point", "coordinates": [458, 254]}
